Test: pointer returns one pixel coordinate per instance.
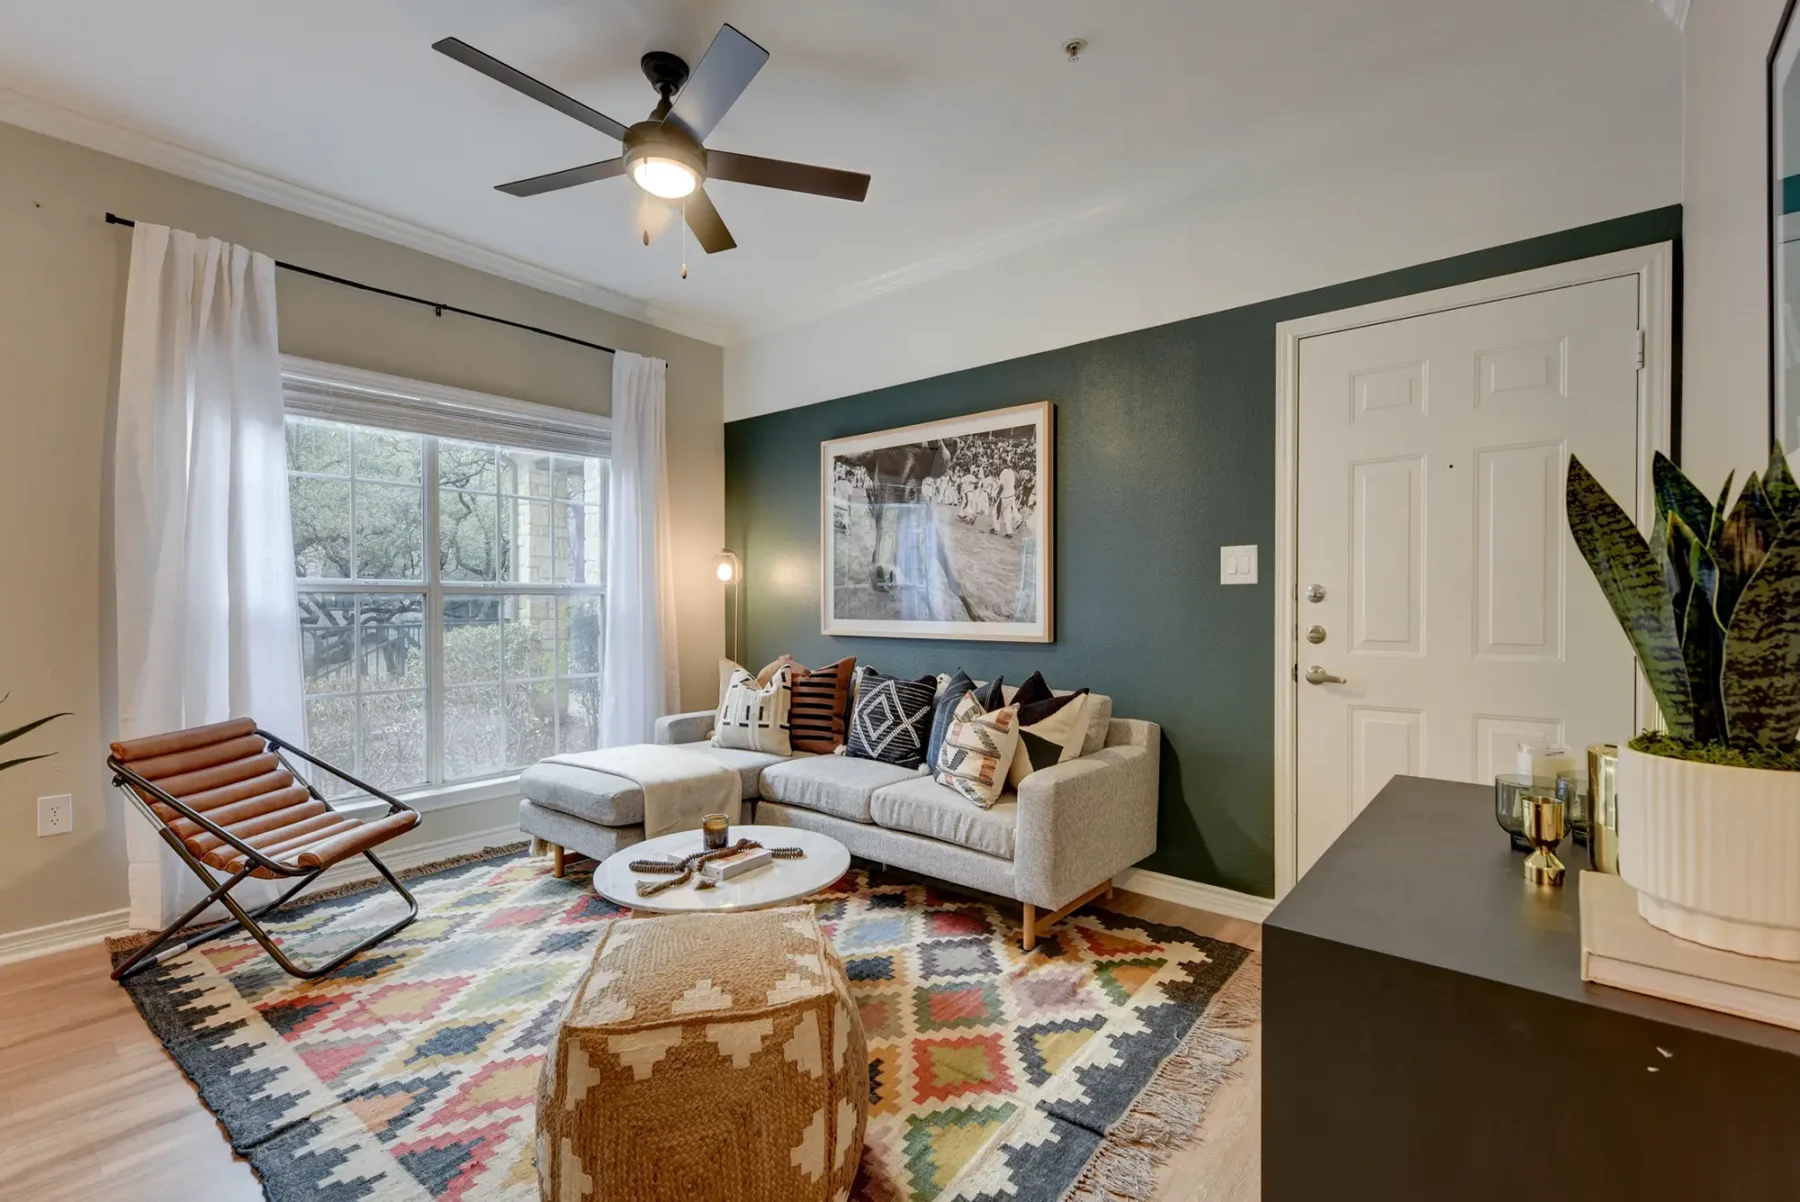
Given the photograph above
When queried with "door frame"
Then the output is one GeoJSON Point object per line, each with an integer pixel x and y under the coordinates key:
{"type": "Point", "coordinates": [1652, 265]}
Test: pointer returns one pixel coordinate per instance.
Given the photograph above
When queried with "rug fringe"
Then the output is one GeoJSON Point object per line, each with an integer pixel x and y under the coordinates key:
{"type": "Point", "coordinates": [1168, 1113]}
{"type": "Point", "coordinates": [116, 944]}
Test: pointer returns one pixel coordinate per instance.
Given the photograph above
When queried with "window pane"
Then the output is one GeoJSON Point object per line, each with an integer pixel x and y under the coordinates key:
{"type": "Point", "coordinates": [318, 447]}
{"type": "Point", "coordinates": [390, 532]}
{"type": "Point", "coordinates": [579, 532]}
{"type": "Point", "coordinates": [579, 641]}
{"type": "Point", "coordinates": [321, 514]}
{"type": "Point", "coordinates": [328, 644]}
{"type": "Point", "coordinates": [530, 722]}
{"type": "Point", "coordinates": [530, 637]}
{"type": "Point", "coordinates": [466, 536]}
{"type": "Point", "coordinates": [580, 480]}
{"type": "Point", "coordinates": [474, 738]}
{"type": "Point", "coordinates": [331, 735]}
{"type": "Point", "coordinates": [465, 465]}
{"type": "Point", "coordinates": [391, 647]}
{"type": "Point", "coordinates": [579, 701]}
{"type": "Point", "coordinates": [524, 473]}
{"type": "Point", "coordinates": [391, 740]}
{"type": "Point", "coordinates": [387, 455]}
{"type": "Point", "coordinates": [472, 640]}
{"type": "Point", "coordinates": [525, 555]}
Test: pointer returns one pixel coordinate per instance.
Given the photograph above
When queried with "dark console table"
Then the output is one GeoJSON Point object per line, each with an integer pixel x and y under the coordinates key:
{"type": "Point", "coordinates": [1426, 1034]}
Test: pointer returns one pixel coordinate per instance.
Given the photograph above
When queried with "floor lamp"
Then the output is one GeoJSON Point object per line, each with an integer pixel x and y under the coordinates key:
{"type": "Point", "coordinates": [730, 571]}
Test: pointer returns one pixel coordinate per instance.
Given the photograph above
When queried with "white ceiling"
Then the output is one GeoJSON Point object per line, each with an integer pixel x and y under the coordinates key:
{"type": "Point", "coordinates": [981, 138]}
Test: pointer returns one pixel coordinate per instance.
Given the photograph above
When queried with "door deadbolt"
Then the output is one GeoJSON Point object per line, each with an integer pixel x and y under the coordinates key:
{"type": "Point", "coordinates": [1315, 634]}
{"type": "Point", "coordinates": [1315, 593]}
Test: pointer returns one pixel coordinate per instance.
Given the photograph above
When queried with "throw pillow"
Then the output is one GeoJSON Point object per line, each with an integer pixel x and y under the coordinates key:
{"type": "Point", "coordinates": [1051, 727]}
{"type": "Point", "coordinates": [821, 699]}
{"type": "Point", "coordinates": [754, 717]}
{"type": "Point", "coordinates": [727, 667]}
{"type": "Point", "coordinates": [892, 718]}
{"type": "Point", "coordinates": [978, 749]}
{"type": "Point", "coordinates": [950, 695]}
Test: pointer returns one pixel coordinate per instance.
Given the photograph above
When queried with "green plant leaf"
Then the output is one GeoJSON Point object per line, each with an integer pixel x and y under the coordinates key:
{"type": "Point", "coordinates": [1719, 513]}
{"type": "Point", "coordinates": [1761, 681]}
{"type": "Point", "coordinates": [1702, 638]}
{"type": "Point", "coordinates": [1780, 488]}
{"type": "Point", "coordinates": [1743, 541]}
{"type": "Point", "coordinates": [26, 729]}
{"type": "Point", "coordinates": [1676, 494]}
{"type": "Point", "coordinates": [1635, 587]}
{"type": "Point", "coordinates": [24, 759]}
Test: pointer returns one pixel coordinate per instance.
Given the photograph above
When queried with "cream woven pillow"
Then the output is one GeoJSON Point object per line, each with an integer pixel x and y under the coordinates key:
{"type": "Point", "coordinates": [754, 717]}
{"type": "Point", "coordinates": [978, 750]}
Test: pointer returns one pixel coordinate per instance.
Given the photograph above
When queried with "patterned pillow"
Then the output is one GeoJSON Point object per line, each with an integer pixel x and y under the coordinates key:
{"type": "Point", "coordinates": [950, 695]}
{"type": "Point", "coordinates": [821, 699]}
{"type": "Point", "coordinates": [978, 750]}
{"type": "Point", "coordinates": [754, 717]}
{"type": "Point", "coordinates": [892, 718]}
{"type": "Point", "coordinates": [1052, 728]}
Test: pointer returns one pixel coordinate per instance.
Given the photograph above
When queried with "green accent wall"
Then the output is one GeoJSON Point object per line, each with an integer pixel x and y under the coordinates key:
{"type": "Point", "coordinates": [1165, 451]}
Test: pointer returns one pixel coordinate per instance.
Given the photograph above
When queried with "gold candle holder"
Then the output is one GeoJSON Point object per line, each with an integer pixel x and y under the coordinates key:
{"type": "Point", "coordinates": [1545, 822]}
{"type": "Point", "coordinates": [715, 829]}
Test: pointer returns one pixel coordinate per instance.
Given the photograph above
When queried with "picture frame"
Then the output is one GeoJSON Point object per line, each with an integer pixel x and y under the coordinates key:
{"type": "Point", "coordinates": [941, 530]}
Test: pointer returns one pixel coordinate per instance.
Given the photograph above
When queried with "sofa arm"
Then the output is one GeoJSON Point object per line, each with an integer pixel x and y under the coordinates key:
{"type": "Point", "coordinates": [1084, 821]}
{"type": "Point", "coordinates": [685, 728]}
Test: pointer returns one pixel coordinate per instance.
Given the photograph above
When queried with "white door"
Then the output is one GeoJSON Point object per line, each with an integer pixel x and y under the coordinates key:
{"type": "Point", "coordinates": [1433, 557]}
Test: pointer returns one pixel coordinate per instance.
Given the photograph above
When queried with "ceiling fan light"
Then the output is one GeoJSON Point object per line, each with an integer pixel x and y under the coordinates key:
{"type": "Point", "coordinates": [666, 178]}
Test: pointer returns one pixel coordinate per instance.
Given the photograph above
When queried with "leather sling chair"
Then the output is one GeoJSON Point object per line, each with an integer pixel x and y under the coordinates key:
{"type": "Point", "coordinates": [226, 797]}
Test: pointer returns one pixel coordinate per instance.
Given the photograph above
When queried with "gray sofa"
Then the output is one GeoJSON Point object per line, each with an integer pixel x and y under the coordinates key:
{"type": "Point", "coordinates": [1053, 844]}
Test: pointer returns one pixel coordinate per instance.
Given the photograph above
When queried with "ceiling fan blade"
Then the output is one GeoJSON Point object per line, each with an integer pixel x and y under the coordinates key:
{"type": "Point", "coordinates": [708, 226]}
{"type": "Point", "coordinates": [518, 81]}
{"type": "Point", "coordinates": [725, 70]}
{"type": "Point", "coordinates": [790, 177]}
{"type": "Point", "coordinates": [556, 180]}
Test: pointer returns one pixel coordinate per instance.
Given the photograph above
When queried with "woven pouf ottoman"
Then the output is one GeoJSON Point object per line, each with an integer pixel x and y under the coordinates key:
{"type": "Point", "coordinates": [706, 1056]}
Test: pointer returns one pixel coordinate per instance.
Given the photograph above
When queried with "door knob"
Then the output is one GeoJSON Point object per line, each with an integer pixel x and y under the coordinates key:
{"type": "Point", "coordinates": [1318, 675]}
{"type": "Point", "coordinates": [1315, 593]}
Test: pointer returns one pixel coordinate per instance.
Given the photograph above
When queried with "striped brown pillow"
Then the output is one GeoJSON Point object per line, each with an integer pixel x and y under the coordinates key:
{"type": "Point", "coordinates": [821, 698]}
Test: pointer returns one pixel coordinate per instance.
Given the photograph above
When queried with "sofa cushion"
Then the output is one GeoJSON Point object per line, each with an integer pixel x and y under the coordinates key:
{"type": "Point", "coordinates": [597, 797]}
{"type": "Point", "coordinates": [749, 764]}
{"type": "Point", "coordinates": [1099, 717]}
{"type": "Point", "coordinates": [924, 807]}
{"type": "Point", "coordinates": [891, 719]}
{"type": "Point", "coordinates": [838, 785]}
{"type": "Point", "coordinates": [754, 716]}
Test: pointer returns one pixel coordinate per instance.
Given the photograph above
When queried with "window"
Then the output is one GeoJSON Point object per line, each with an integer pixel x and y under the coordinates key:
{"type": "Point", "coordinates": [450, 597]}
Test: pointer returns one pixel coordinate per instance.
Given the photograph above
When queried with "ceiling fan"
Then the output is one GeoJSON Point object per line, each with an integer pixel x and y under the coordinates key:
{"type": "Point", "coordinates": [664, 153]}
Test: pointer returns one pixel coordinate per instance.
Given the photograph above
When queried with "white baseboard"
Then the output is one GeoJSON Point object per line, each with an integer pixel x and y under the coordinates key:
{"type": "Point", "coordinates": [61, 936]}
{"type": "Point", "coordinates": [92, 928]}
{"type": "Point", "coordinates": [1214, 899]}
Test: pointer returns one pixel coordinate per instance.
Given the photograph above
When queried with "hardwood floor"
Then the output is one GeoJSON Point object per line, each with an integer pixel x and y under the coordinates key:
{"type": "Point", "coordinates": [92, 1108]}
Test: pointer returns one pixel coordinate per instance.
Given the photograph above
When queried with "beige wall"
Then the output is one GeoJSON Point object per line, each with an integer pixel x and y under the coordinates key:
{"type": "Point", "coordinates": [1725, 241]}
{"type": "Point", "coordinates": [62, 285]}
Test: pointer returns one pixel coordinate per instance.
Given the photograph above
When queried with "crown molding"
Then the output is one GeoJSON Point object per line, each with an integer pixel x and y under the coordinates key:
{"type": "Point", "coordinates": [56, 120]}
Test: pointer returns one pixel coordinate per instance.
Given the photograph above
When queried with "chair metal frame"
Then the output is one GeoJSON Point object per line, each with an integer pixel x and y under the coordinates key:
{"type": "Point", "coordinates": [137, 788]}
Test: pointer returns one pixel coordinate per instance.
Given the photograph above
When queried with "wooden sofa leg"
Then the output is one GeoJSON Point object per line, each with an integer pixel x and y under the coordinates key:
{"type": "Point", "coordinates": [1028, 932]}
{"type": "Point", "coordinates": [1033, 926]}
{"type": "Point", "coordinates": [558, 856]}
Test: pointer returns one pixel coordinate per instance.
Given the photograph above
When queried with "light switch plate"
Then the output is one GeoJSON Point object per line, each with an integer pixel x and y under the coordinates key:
{"type": "Point", "coordinates": [1237, 565]}
{"type": "Point", "coordinates": [56, 815]}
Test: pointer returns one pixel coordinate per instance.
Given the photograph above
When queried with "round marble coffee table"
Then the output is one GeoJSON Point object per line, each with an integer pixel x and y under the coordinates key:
{"type": "Point", "coordinates": [776, 884]}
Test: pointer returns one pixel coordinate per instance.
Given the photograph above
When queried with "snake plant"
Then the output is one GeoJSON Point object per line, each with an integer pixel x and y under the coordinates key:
{"type": "Point", "coordinates": [1711, 603]}
{"type": "Point", "coordinates": [10, 735]}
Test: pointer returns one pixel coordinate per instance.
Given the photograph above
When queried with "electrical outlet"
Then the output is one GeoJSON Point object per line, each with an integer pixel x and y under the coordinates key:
{"type": "Point", "coordinates": [56, 815]}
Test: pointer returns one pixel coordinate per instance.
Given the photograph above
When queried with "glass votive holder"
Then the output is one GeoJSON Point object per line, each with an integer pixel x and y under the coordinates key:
{"type": "Point", "coordinates": [1510, 789]}
{"type": "Point", "coordinates": [715, 829]}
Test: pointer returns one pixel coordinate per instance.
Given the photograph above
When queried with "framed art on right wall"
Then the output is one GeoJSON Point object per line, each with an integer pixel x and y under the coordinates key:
{"type": "Point", "coordinates": [1784, 232]}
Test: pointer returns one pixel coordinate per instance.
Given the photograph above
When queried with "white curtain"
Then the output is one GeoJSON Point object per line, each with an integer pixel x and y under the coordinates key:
{"type": "Point", "coordinates": [638, 677]}
{"type": "Point", "coordinates": [203, 552]}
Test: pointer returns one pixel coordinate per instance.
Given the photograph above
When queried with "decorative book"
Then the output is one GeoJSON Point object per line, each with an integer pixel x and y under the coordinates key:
{"type": "Point", "coordinates": [1620, 949]}
{"type": "Point", "coordinates": [736, 864]}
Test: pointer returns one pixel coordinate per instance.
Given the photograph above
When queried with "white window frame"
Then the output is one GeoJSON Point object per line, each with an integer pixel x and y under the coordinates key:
{"type": "Point", "coordinates": [330, 392]}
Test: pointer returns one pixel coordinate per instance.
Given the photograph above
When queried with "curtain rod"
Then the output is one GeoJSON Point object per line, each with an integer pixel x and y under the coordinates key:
{"type": "Point", "coordinates": [439, 307]}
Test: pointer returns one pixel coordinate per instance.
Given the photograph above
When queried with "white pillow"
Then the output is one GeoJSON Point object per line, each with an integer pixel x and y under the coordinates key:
{"type": "Point", "coordinates": [1055, 740]}
{"type": "Point", "coordinates": [754, 717]}
{"type": "Point", "coordinates": [979, 750]}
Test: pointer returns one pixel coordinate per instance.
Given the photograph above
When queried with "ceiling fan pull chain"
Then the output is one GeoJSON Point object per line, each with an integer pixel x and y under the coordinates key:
{"type": "Point", "coordinates": [684, 205]}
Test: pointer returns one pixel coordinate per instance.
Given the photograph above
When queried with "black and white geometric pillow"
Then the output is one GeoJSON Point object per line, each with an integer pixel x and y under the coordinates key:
{"type": "Point", "coordinates": [892, 718]}
{"type": "Point", "coordinates": [754, 717]}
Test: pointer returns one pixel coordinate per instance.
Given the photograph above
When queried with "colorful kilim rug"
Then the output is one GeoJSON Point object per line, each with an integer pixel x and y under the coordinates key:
{"type": "Point", "coordinates": [412, 1072]}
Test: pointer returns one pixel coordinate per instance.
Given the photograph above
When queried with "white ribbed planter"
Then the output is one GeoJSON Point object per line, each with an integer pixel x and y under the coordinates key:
{"type": "Point", "coordinates": [1713, 852]}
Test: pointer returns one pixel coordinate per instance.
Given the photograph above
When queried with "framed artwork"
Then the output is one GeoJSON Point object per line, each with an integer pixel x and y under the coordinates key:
{"type": "Point", "coordinates": [943, 530]}
{"type": "Point", "coordinates": [1784, 233]}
